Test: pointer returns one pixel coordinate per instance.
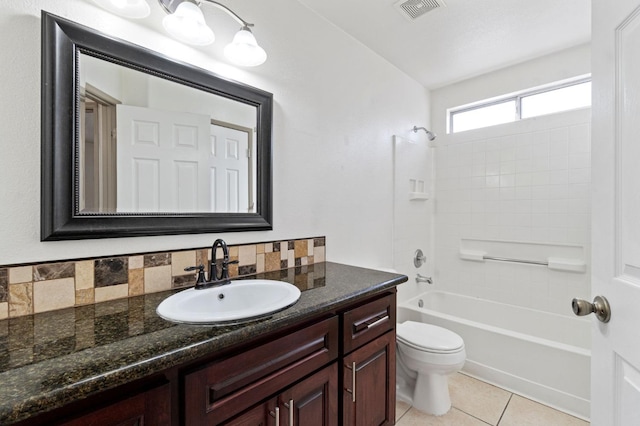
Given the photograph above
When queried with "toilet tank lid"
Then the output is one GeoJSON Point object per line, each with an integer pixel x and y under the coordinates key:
{"type": "Point", "coordinates": [428, 337]}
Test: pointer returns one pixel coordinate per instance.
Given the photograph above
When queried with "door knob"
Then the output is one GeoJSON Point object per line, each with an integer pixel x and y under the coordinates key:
{"type": "Point", "coordinates": [600, 307]}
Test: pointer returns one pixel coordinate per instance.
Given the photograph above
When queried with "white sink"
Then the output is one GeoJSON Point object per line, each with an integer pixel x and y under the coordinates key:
{"type": "Point", "coordinates": [235, 302]}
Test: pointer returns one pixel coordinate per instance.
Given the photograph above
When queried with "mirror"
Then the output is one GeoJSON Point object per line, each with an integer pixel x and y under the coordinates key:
{"type": "Point", "coordinates": [134, 143]}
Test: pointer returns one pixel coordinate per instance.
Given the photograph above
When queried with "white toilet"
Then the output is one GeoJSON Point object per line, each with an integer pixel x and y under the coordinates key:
{"type": "Point", "coordinates": [426, 355]}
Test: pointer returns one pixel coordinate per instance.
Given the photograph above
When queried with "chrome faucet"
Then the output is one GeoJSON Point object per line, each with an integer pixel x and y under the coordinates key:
{"type": "Point", "coordinates": [215, 279]}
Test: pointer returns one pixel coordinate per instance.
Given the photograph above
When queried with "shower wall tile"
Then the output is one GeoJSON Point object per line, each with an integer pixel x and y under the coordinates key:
{"type": "Point", "coordinates": [523, 181]}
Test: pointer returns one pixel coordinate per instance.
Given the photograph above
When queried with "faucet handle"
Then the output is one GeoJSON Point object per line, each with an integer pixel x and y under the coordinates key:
{"type": "Point", "coordinates": [200, 279]}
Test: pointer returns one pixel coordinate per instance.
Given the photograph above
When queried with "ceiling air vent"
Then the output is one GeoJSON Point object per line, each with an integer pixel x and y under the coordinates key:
{"type": "Point", "coordinates": [413, 9]}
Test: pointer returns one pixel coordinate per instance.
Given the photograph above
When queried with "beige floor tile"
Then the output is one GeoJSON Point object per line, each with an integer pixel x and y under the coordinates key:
{"type": "Point", "coordinates": [401, 409]}
{"type": "Point", "coordinates": [453, 418]}
{"type": "Point", "coordinates": [524, 412]}
{"type": "Point", "coordinates": [477, 398]}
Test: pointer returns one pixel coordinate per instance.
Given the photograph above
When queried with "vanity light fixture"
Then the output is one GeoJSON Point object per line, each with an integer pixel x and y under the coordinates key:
{"type": "Point", "coordinates": [186, 23]}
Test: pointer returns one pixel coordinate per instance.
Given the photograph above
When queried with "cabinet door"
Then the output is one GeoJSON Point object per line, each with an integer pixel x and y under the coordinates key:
{"type": "Point", "coordinates": [152, 407]}
{"type": "Point", "coordinates": [371, 370]}
{"type": "Point", "coordinates": [260, 415]}
{"type": "Point", "coordinates": [227, 387]}
{"type": "Point", "coordinates": [312, 402]}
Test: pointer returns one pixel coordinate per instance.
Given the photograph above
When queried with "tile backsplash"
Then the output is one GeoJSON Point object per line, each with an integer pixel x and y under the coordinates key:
{"type": "Point", "coordinates": [41, 287]}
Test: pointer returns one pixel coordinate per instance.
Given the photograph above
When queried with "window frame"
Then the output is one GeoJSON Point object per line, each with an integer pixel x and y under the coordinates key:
{"type": "Point", "coordinates": [517, 97]}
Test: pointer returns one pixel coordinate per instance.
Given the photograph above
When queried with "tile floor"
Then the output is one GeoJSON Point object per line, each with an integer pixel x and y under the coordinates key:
{"type": "Point", "coordinates": [476, 403]}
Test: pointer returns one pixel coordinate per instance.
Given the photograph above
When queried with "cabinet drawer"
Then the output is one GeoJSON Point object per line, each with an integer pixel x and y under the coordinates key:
{"type": "Point", "coordinates": [368, 321]}
{"type": "Point", "coordinates": [227, 387]}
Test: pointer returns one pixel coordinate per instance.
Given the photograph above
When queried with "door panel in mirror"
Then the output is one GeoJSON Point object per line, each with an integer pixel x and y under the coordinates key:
{"type": "Point", "coordinates": [160, 152]}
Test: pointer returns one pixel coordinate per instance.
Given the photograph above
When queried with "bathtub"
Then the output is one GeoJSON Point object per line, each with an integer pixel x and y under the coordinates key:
{"type": "Point", "coordinates": [540, 355]}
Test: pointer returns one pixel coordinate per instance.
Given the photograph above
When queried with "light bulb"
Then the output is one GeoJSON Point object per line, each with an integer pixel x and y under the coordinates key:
{"type": "Point", "coordinates": [136, 9]}
{"type": "Point", "coordinates": [244, 49]}
{"type": "Point", "coordinates": [187, 24]}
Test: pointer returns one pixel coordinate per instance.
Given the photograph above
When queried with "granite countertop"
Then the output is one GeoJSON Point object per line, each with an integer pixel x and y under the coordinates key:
{"type": "Point", "coordinates": [51, 359]}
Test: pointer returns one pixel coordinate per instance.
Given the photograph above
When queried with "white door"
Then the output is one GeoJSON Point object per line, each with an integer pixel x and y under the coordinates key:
{"type": "Point", "coordinates": [162, 161]}
{"type": "Point", "coordinates": [615, 379]}
{"type": "Point", "coordinates": [229, 164]}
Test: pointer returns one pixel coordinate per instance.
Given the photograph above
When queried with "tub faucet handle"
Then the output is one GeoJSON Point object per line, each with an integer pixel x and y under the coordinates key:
{"type": "Point", "coordinates": [419, 258]}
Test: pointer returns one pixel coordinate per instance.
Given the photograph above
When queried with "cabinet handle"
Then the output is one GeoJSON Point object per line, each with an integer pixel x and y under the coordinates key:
{"type": "Point", "coordinates": [290, 407]}
{"type": "Point", "coordinates": [276, 415]}
{"type": "Point", "coordinates": [352, 391]}
{"type": "Point", "coordinates": [373, 324]}
{"type": "Point", "coordinates": [370, 322]}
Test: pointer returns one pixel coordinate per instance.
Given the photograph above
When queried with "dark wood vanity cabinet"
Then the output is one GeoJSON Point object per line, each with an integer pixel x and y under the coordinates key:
{"type": "Point", "coordinates": [304, 374]}
{"type": "Point", "coordinates": [311, 402]}
{"type": "Point", "coordinates": [232, 390]}
{"type": "Point", "coordinates": [371, 370]}
{"type": "Point", "coordinates": [307, 377]}
{"type": "Point", "coordinates": [369, 364]}
{"type": "Point", "coordinates": [148, 408]}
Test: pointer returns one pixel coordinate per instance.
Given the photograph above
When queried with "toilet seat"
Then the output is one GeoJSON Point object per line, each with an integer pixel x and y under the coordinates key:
{"type": "Point", "coordinates": [428, 337]}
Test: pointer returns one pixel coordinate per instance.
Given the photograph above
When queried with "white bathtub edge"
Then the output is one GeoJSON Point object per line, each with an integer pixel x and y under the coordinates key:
{"type": "Point", "coordinates": [570, 404]}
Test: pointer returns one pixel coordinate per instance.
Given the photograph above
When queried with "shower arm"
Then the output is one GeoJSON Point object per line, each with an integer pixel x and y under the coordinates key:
{"type": "Point", "coordinates": [429, 133]}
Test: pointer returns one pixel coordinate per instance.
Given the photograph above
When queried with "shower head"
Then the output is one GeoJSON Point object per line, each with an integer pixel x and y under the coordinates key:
{"type": "Point", "coordinates": [429, 133]}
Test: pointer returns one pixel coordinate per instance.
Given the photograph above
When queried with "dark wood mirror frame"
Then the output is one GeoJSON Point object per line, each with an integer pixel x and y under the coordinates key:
{"type": "Point", "coordinates": [62, 40]}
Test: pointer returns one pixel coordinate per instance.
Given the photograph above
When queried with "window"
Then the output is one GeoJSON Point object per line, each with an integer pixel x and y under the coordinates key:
{"type": "Point", "coordinates": [532, 103]}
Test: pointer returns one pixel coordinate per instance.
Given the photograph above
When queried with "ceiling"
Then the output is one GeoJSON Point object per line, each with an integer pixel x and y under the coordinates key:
{"type": "Point", "coordinates": [464, 38]}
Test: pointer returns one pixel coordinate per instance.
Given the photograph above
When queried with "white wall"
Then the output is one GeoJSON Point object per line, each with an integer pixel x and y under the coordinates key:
{"type": "Point", "coordinates": [337, 105]}
{"type": "Point", "coordinates": [523, 181]}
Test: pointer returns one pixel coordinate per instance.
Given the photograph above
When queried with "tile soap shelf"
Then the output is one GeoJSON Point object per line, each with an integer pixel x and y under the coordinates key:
{"type": "Point", "coordinates": [417, 191]}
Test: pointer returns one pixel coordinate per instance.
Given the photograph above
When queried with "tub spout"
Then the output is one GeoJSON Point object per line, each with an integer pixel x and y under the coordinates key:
{"type": "Point", "coordinates": [423, 279]}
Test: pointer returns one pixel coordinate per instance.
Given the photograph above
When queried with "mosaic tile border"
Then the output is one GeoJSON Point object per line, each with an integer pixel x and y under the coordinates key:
{"type": "Point", "coordinates": [42, 287]}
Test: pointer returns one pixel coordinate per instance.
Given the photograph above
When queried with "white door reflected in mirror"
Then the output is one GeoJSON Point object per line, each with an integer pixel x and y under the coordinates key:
{"type": "Point", "coordinates": [150, 145]}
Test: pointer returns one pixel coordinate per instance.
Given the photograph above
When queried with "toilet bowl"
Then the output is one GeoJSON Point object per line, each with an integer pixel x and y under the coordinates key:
{"type": "Point", "coordinates": [426, 356]}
